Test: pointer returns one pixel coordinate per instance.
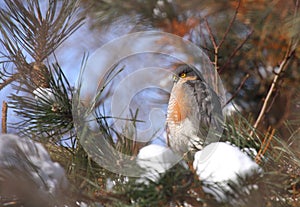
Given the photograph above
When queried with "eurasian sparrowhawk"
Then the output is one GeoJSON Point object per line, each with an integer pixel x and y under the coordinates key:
{"type": "Point", "coordinates": [193, 108]}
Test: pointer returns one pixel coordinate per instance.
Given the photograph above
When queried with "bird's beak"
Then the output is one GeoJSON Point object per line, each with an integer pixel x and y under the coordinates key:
{"type": "Point", "coordinates": [175, 78]}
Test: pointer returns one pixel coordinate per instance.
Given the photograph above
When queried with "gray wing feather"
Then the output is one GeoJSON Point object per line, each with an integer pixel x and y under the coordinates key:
{"type": "Point", "coordinates": [209, 107]}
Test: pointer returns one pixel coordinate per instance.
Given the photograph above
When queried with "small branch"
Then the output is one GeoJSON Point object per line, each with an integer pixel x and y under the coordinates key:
{"type": "Point", "coordinates": [214, 42]}
{"type": "Point", "coordinates": [235, 51]}
{"type": "Point", "coordinates": [8, 81]}
{"type": "Point", "coordinates": [269, 139]}
{"type": "Point", "coordinates": [238, 89]}
{"type": "Point", "coordinates": [215, 45]}
{"type": "Point", "coordinates": [265, 145]}
{"type": "Point", "coordinates": [270, 92]}
{"type": "Point", "coordinates": [276, 94]}
{"type": "Point", "coordinates": [212, 38]}
{"type": "Point", "coordinates": [259, 153]}
{"type": "Point", "coordinates": [216, 53]}
{"type": "Point", "coordinates": [4, 117]}
{"type": "Point", "coordinates": [218, 45]}
{"type": "Point", "coordinates": [230, 24]}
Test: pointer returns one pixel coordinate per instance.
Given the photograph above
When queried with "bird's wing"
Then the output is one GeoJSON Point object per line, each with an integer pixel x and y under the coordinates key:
{"type": "Point", "coordinates": [209, 106]}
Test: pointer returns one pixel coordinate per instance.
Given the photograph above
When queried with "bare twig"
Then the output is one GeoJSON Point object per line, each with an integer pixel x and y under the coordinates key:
{"type": "Point", "coordinates": [8, 81]}
{"type": "Point", "coordinates": [265, 145]}
{"type": "Point", "coordinates": [238, 89]}
{"type": "Point", "coordinates": [214, 42]}
{"type": "Point", "coordinates": [4, 117]}
{"type": "Point", "coordinates": [218, 45]}
{"type": "Point", "coordinates": [269, 139]}
{"type": "Point", "coordinates": [281, 69]}
{"type": "Point", "coordinates": [230, 24]}
{"type": "Point", "coordinates": [211, 36]}
{"type": "Point", "coordinates": [276, 93]}
{"type": "Point", "coordinates": [216, 54]}
{"type": "Point", "coordinates": [235, 51]}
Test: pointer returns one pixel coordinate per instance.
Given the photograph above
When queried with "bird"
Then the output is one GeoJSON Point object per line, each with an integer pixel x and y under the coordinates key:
{"type": "Point", "coordinates": [193, 108]}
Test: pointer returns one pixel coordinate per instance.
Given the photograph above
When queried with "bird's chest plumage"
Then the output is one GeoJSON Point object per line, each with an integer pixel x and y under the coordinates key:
{"type": "Point", "coordinates": [181, 116]}
{"type": "Point", "coordinates": [179, 106]}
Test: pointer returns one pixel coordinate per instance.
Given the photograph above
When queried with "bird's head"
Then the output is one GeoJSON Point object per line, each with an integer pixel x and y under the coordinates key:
{"type": "Point", "coordinates": [186, 72]}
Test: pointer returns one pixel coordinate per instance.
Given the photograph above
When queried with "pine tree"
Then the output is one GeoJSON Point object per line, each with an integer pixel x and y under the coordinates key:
{"type": "Point", "coordinates": [253, 46]}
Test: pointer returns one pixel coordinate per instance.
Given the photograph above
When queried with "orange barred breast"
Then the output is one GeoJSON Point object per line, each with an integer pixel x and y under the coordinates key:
{"type": "Point", "coordinates": [178, 109]}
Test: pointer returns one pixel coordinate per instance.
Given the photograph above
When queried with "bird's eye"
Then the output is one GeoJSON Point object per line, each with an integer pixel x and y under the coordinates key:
{"type": "Point", "coordinates": [182, 75]}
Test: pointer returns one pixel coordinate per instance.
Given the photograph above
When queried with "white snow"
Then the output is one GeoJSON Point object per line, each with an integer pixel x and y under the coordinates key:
{"type": "Point", "coordinates": [231, 108]}
{"type": "Point", "coordinates": [219, 163]}
{"type": "Point", "coordinates": [156, 160]}
{"type": "Point", "coordinates": [44, 95]}
{"type": "Point", "coordinates": [33, 161]}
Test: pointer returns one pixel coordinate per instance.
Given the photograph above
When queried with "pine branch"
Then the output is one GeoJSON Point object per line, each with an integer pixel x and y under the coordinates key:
{"type": "Point", "coordinates": [8, 81]}
{"type": "Point", "coordinates": [39, 34]}
{"type": "Point", "coordinates": [25, 28]}
{"type": "Point", "coordinates": [46, 111]}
